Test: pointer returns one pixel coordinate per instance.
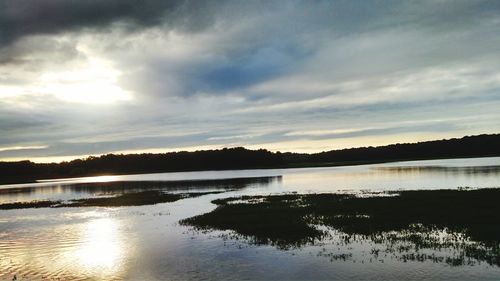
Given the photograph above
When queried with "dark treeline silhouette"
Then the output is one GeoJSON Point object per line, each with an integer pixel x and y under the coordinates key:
{"type": "Point", "coordinates": [241, 158]}
{"type": "Point", "coordinates": [469, 146]}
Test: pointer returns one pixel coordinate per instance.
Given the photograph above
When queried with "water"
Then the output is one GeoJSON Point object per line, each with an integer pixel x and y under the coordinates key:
{"type": "Point", "coordinates": [147, 243]}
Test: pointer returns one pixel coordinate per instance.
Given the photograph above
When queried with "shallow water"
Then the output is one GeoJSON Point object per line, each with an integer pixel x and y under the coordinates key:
{"type": "Point", "coordinates": [147, 243]}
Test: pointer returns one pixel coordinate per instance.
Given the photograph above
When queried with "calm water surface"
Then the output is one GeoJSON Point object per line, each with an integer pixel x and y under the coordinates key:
{"type": "Point", "coordinates": [147, 243]}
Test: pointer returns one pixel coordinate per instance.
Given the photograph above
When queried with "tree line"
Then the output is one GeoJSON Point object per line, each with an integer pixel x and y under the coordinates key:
{"type": "Point", "coordinates": [242, 158]}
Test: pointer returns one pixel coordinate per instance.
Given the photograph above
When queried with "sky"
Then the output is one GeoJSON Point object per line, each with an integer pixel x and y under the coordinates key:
{"type": "Point", "coordinates": [81, 78]}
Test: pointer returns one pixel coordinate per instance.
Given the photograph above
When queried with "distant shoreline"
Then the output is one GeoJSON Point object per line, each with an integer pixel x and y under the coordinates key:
{"type": "Point", "coordinates": [320, 165]}
{"type": "Point", "coordinates": [242, 159]}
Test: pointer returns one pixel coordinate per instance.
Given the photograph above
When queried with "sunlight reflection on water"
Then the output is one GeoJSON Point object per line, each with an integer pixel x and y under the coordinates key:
{"type": "Point", "coordinates": [146, 242]}
{"type": "Point", "coordinates": [100, 246]}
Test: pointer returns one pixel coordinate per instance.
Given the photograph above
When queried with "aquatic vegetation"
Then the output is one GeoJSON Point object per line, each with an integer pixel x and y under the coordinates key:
{"type": "Point", "coordinates": [464, 220]}
{"type": "Point", "coordinates": [28, 205]}
{"type": "Point", "coordinates": [149, 197]}
{"type": "Point", "coordinates": [278, 220]}
{"type": "Point", "coordinates": [133, 193]}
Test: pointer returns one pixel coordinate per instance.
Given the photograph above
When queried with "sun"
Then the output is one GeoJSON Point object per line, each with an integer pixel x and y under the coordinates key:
{"type": "Point", "coordinates": [94, 82]}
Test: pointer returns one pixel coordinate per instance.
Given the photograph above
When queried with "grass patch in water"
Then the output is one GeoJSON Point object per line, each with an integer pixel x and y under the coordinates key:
{"type": "Point", "coordinates": [28, 205]}
{"type": "Point", "coordinates": [289, 220]}
{"type": "Point", "coordinates": [149, 197]}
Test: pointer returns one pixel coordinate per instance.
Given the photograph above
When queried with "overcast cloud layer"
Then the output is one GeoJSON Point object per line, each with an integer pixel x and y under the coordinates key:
{"type": "Point", "coordinates": [92, 77]}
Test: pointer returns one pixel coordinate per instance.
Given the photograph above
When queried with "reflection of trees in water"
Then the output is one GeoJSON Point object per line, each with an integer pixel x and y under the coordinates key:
{"type": "Point", "coordinates": [127, 186]}
{"type": "Point", "coordinates": [133, 186]}
{"type": "Point", "coordinates": [135, 193]}
{"type": "Point", "coordinates": [468, 170]}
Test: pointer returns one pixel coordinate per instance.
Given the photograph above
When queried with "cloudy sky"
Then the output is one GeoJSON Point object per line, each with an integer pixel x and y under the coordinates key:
{"type": "Point", "coordinates": [98, 76]}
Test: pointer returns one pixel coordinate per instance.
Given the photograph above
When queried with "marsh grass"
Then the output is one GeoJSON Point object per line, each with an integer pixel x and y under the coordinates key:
{"type": "Point", "coordinates": [28, 205]}
{"type": "Point", "coordinates": [470, 219]}
{"type": "Point", "coordinates": [149, 197]}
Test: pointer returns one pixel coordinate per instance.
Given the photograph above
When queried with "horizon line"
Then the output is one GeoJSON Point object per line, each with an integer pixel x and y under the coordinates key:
{"type": "Point", "coordinates": [215, 148]}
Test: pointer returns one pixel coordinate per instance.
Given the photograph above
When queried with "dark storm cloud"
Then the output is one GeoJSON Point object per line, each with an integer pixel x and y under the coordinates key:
{"type": "Point", "coordinates": [20, 18]}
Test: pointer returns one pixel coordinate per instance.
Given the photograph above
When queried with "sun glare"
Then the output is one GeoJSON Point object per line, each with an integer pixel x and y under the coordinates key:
{"type": "Point", "coordinates": [101, 246]}
{"type": "Point", "coordinates": [93, 83]}
{"type": "Point", "coordinates": [100, 179]}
